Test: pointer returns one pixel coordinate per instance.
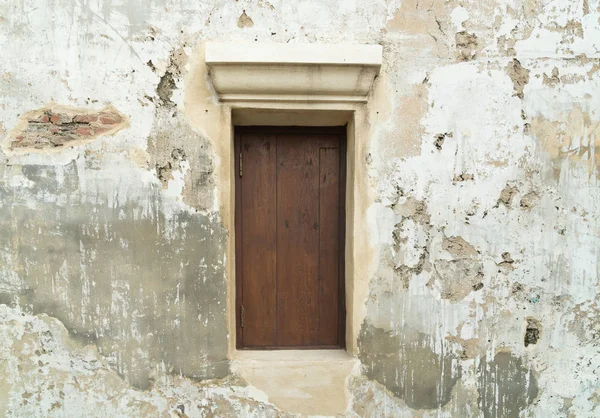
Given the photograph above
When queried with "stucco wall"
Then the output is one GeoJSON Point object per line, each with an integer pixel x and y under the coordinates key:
{"type": "Point", "coordinates": [482, 212]}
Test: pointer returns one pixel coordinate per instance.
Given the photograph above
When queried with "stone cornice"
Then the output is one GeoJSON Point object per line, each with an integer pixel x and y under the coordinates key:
{"type": "Point", "coordinates": [292, 72]}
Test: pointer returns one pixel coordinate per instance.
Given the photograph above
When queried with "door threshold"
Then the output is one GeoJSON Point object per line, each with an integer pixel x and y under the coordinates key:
{"type": "Point", "coordinates": [305, 355]}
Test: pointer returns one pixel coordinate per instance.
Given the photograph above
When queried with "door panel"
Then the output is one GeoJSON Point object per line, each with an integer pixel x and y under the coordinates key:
{"type": "Point", "coordinates": [297, 241]}
{"type": "Point", "coordinates": [259, 240]}
{"type": "Point", "coordinates": [289, 216]}
{"type": "Point", "coordinates": [329, 248]}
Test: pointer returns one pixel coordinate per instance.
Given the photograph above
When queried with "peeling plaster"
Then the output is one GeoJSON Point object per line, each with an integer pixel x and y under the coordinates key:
{"type": "Point", "coordinates": [479, 202]}
{"type": "Point", "coordinates": [54, 127]}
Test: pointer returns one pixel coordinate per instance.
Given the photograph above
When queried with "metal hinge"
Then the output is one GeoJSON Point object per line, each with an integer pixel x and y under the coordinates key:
{"type": "Point", "coordinates": [240, 164]}
{"type": "Point", "coordinates": [242, 316]}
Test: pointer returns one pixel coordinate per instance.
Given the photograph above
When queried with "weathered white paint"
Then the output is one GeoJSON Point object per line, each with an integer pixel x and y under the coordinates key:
{"type": "Point", "coordinates": [449, 151]}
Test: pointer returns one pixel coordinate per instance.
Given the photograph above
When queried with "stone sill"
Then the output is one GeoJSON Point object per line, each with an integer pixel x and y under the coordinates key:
{"type": "Point", "coordinates": [292, 356]}
{"type": "Point", "coordinates": [307, 382]}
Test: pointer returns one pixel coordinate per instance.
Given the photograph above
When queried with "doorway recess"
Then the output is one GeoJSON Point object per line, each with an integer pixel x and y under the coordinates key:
{"type": "Point", "coordinates": [309, 86]}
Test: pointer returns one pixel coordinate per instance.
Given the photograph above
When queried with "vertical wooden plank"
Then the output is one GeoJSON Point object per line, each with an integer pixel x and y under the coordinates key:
{"type": "Point", "coordinates": [297, 241]}
{"type": "Point", "coordinates": [259, 239]}
{"type": "Point", "coordinates": [238, 244]}
{"type": "Point", "coordinates": [329, 245]}
{"type": "Point", "coordinates": [342, 245]}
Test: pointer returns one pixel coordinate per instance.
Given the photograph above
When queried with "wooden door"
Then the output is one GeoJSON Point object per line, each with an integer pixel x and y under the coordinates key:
{"type": "Point", "coordinates": [290, 237]}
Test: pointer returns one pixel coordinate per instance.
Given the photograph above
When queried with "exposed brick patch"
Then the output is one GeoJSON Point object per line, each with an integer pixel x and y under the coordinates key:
{"type": "Point", "coordinates": [56, 126]}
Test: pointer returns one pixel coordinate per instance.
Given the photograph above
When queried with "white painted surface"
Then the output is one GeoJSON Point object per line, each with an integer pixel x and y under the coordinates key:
{"type": "Point", "coordinates": [92, 53]}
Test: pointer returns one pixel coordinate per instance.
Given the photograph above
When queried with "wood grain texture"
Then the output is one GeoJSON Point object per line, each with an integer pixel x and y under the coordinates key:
{"type": "Point", "coordinates": [329, 246]}
{"type": "Point", "coordinates": [297, 240]}
{"type": "Point", "coordinates": [259, 255]}
{"type": "Point", "coordinates": [289, 243]}
{"type": "Point", "coordinates": [239, 340]}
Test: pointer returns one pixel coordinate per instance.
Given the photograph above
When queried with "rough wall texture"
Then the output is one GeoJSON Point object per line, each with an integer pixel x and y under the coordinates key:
{"type": "Point", "coordinates": [484, 170]}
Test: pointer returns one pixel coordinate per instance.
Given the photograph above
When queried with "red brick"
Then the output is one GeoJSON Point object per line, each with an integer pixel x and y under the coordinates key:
{"type": "Point", "coordinates": [41, 119]}
{"type": "Point", "coordinates": [107, 119]}
{"type": "Point", "coordinates": [84, 130]}
{"type": "Point", "coordinates": [60, 118]}
{"type": "Point", "coordinates": [85, 118]}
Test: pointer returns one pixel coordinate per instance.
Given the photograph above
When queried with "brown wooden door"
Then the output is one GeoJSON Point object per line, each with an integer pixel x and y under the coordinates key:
{"type": "Point", "coordinates": [289, 237]}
